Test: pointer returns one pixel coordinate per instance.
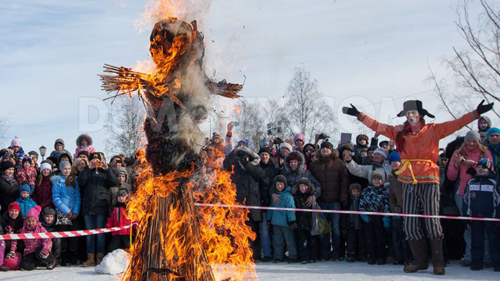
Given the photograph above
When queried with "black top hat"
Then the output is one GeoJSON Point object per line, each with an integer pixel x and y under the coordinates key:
{"type": "Point", "coordinates": [414, 105]}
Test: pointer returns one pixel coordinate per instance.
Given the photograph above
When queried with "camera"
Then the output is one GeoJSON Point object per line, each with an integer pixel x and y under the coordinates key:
{"type": "Point", "coordinates": [97, 163]}
{"type": "Point", "coordinates": [277, 141]}
{"type": "Point", "coordinates": [323, 136]}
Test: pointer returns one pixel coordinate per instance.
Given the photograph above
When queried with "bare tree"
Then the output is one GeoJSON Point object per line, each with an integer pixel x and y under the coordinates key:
{"type": "Point", "coordinates": [306, 111]}
{"type": "Point", "coordinates": [123, 126]}
{"type": "Point", "coordinates": [476, 69]}
{"type": "Point", "coordinates": [4, 126]}
{"type": "Point", "coordinates": [251, 123]}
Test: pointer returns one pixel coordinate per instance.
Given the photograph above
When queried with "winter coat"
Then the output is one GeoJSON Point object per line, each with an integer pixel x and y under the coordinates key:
{"type": "Point", "coordinates": [461, 173]}
{"type": "Point", "coordinates": [293, 177]}
{"type": "Point", "coordinates": [43, 193]}
{"type": "Point", "coordinates": [424, 145]}
{"type": "Point", "coordinates": [374, 199]}
{"type": "Point", "coordinates": [246, 177]}
{"type": "Point", "coordinates": [333, 177]}
{"type": "Point", "coordinates": [9, 191]}
{"type": "Point", "coordinates": [482, 198]}
{"type": "Point", "coordinates": [395, 192]}
{"type": "Point", "coordinates": [26, 204]}
{"type": "Point", "coordinates": [304, 219]}
{"type": "Point", "coordinates": [32, 245]}
{"type": "Point", "coordinates": [271, 170]}
{"type": "Point", "coordinates": [354, 221]}
{"type": "Point", "coordinates": [495, 154]}
{"type": "Point", "coordinates": [28, 176]}
{"type": "Point", "coordinates": [114, 189]}
{"type": "Point", "coordinates": [119, 218]}
{"type": "Point", "coordinates": [90, 149]}
{"type": "Point", "coordinates": [282, 218]}
{"type": "Point", "coordinates": [365, 171]}
{"type": "Point", "coordinates": [66, 198]}
{"type": "Point", "coordinates": [94, 185]}
{"type": "Point", "coordinates": [16, 224]}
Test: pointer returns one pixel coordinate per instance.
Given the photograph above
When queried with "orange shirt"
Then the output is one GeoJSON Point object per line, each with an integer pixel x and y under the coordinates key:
{"type": "Point", "coordinates": [423, 145]}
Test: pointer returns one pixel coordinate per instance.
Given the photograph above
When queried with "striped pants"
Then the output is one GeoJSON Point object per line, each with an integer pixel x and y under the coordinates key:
{"type": "Point", "coordinates": [421, 199]}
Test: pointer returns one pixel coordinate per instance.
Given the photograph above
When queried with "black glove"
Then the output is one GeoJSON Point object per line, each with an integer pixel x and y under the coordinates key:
{"type": "Point", "coordinates": [482, 108]}
{"type": "Point", "coordinates": [352, 110]}
{"type": "Point", "coordinates": [292, 225]}
{"type": "Point", "coordinates": [397, 209]}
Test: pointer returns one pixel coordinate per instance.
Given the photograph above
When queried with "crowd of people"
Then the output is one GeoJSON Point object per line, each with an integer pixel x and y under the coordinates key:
{"type": "Point", "coordinates": [407, 174]}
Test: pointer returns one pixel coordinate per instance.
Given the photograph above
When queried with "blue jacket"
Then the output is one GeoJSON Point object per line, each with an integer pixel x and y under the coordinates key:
{"type": "Point", "coordinates": [65, 198]}
{"type": "Point", "coordinates": [374, 199]}
{"type": "Point", "coordinates": [286, 201]}
{"type": "Point", "coordinates": [25, 204]}
{"type": "Point", "coordinates": [481, 198]}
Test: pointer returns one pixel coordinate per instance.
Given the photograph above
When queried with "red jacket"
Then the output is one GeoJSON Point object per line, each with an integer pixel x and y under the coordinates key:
{"type": "Point", "coordinates": [119, 218]}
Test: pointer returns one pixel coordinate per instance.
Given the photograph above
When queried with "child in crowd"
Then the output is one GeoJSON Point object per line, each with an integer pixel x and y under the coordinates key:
{"type": "Point", "coordinates": [11, 222]}
{"type": "Point", "coordinates": [59, 149]}
{"type": "Point", "coordinates": [43, 187]}
{"type": "Point", "coordinates": [25, 202]}
{"type": "Point", "coordinates": [400, 245]}
{"type": "Point", "coordinates": [66, 198]}
{"type": "Point", "coordinates": [355, 241]}
{"type": "Point", "coordinates": [84, 143]}
{"type": "Point", "coordinates": [283, 222]}
{"type": "Point", "coordinates": [308, 249]}
{"type": "Point", "coordinates": [119, 218]}
{"type": "Point", "coordinates": [482, 199]}
{"type": "Point", "coordinates": [27, 174]}
{"type": "Point", "coordinates": [36, 251]}
{"type": "Point", "coordinates": [17, 149]}
{"type": "Point", "coordinates": [122, 177]}
{"type": "Point", "coordinates": [48, 220]}
{"type": "Point", "coordinates": [374, 198]}
{"type": "Point", "coordinates": [2, 252]}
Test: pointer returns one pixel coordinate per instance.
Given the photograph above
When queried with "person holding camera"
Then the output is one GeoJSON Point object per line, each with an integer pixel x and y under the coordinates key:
{"type": "Point", "coordinates": [461, 170]}
{"type": "Point", "coordinates": [418, 146]}
{"type": "Point", "coordinates": [95, 181]}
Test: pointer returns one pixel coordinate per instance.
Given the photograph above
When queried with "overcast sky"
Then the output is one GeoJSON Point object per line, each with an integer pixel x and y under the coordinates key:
{"type": "Point", "coordinates": [375, 54]}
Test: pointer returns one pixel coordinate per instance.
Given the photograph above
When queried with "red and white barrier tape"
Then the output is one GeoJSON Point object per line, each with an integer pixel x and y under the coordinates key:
{"type": "Point", "coordinates": [61, 234]}
{"type": "Point", "coordinates": [346, 212]}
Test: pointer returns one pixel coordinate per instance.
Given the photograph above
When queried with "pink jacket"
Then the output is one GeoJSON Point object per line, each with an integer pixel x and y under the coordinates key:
{"type": "Point", "coordinates": [31, 245]}
{"type": "Point", "coordinates": [461, 173]}
{"type": "Point", "coordinates": [26, 176]}
{"type": "Point", "coordinates": [90, 149]}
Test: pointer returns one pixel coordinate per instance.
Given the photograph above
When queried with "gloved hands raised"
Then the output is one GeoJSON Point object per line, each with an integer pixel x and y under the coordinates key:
{"type": "Point", "coordinates": [353, 111]}
{"type": "Point", "coordinates": [365, 218]}
{"type": "Point", "coordinates": [482, 108]}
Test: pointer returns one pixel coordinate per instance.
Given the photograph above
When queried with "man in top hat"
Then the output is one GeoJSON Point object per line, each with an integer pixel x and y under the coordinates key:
{"type": "Point", "coordinates": [418, 146]}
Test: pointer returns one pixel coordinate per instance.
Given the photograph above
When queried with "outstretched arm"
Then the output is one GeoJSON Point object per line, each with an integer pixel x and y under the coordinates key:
{"type": "Point", "coordinates": [380, 128]}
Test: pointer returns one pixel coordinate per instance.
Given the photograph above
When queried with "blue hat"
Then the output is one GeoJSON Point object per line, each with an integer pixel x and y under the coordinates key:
{"type": "Point", "coordinates": [494, 130]}
{"type": "Point", "coordinates": [394, 156]}
{"type": "Point", "coordinates": [486, 163]}
{"type": "Point", "coordinates": [25, 187]}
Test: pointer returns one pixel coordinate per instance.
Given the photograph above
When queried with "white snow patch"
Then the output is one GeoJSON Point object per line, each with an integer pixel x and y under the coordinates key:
{"type": "Point", "coordinates": [114, 263]}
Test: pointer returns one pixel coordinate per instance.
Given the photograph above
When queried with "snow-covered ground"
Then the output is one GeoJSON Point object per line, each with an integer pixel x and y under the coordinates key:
{"type": "Point", "coordinates": [268, 271]}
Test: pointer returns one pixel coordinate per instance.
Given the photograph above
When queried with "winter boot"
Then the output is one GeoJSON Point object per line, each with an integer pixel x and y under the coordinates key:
{"type": "Point", "coordinates": [90, 260]}
{"type": "Point", "coordinates": [64, 259]}
{"type": "Point", "coordinates": [420, 257]}
{"type": "Point", "coordinates": [437, 256]}
{"type": "Point", "coordinates": [100, 256]}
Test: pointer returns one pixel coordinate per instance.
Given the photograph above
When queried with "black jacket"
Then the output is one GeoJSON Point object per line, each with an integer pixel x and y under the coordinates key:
{"type": "Point", "coordinates": [9, 192]}
{"type": "Point", "coordinates": [271, 170]}
{"type": "Point", "coordinates": [94, 187]}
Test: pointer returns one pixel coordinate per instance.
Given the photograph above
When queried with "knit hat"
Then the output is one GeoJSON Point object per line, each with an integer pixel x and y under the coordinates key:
{"type": "Point", "coordinates": [6, 165]}
{"type": "Point", "coordinates": [280, 178]}
{"type": "Point", "coordinates": [44, 166]}
{"type": "Point", "coordinates": [33, 153]}
{"type": "Point", "coordinates": [47, 211]}
{"type": "Point", "coordinates": [244, 142]}
{"type": "Point", "coordinates": [327, 144]}
{"type": "Point", "coordinates": [64, 164]}
{"type": "Point", "coordinates": [34, 213]}
{"type": "Point", "coordinates": [381, 151]}
{"type": "Point", "coordinates": [355, 186]}
{"type": "Point", "coordinates": [486, 163]}
{"type": "Point", "coordinates": [264, 143]}
{"type": "Point", "coordinates": [14, 206]}
{"type": "Point", "coordinates": [61, 141]}
{"type": "Point", "coordinates": [377, 174]}
{"type": "Point", "coordinates": [385, 142]}
{"type": "Point", "coordinates": [122, 192]}
{"type": "Point", "coordinates": [394, 156]}
{"type": "Point", "coordinates": [265, 150]}
{"type": "Point", "coordinates": [25, 187]}
{"type": "Point", "coordinates": [27, 159]}
{"type": "Point", "coordinates": [472, 135]}
{"type": "Point", "coordinates": [493, 130]}
{"type": "Point", "coordinates": [287, 146]}
{"type": "Point", "coordinates": [16, 142]}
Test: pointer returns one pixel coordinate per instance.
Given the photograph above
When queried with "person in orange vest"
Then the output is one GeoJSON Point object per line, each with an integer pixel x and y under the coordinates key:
{"type": "Point", "coordinates": [418, 146]}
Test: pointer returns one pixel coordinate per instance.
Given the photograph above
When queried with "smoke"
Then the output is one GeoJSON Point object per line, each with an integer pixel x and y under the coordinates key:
{"type": "Point", "coordinates": [185, 10]}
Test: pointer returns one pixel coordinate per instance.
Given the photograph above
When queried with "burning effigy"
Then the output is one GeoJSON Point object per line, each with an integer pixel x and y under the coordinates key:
{"type": "Point", "coordinates": [176, 240]}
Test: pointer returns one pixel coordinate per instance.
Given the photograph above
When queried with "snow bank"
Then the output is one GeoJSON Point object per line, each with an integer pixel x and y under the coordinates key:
{"type": "Point", "coordinates": [114, 263]}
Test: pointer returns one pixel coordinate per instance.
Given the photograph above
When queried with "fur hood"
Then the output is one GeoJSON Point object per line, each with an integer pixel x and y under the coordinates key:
{"type": "Point", "coordinates": [310, 190]}
{"type": "Point", "coordinates": [295, 154]}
